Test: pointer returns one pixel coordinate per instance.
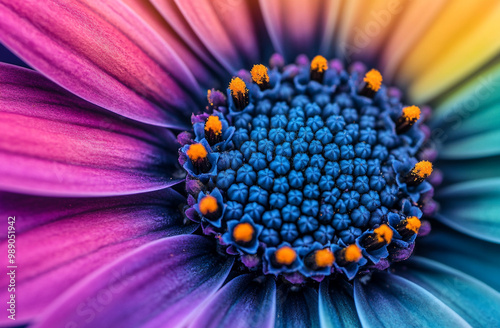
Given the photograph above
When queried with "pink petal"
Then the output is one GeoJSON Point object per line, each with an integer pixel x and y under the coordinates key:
{"type": "Point", "coordinates": [103, 53]}
{"type": "Point", "coordinates": [61, 240]}
{"type": "Point", "coordinates": [158, 285]}
{"type": "Point", "coordinates": [53, 143]}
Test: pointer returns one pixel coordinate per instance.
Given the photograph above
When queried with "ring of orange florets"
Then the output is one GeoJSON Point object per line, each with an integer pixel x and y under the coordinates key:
{"type": "Point", "coordinates": [307, 170]}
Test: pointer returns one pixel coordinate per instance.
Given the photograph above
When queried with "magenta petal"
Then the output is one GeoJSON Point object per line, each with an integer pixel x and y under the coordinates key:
{"type": "Point", "coordinates": [157, 285]}
{"type": "Point", "coordinates": [103, 53]}
{"type": "Point", "coordinates": [53, 143]}
{"type": "Point", "coordinates": [243, 302]}
{"type": "Point", "coordinates": [61, 240]}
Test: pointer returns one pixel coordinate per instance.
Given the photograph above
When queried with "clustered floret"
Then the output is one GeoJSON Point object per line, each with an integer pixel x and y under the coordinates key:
{"type": "Point", "coordinates": [307, 170]}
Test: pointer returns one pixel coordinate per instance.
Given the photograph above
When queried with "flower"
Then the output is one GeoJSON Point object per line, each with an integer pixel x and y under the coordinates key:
{"type": "Point", "coordinates": [298, 189]}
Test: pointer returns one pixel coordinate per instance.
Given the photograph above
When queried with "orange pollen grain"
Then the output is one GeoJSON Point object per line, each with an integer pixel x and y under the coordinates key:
{"type": "Point", "coordinates": [384, 233]}
{"type": "Point", "coordinates": [411, 113]}
{"type": "Point", "coordinates": [285, 255]}
{"type": "Point", "coordinates": [259, 74]}
{"type": "Point", "coordinates": [423, 169]}
{"type": "Point", "coordinates": [196, 151]}
{"type": "Point", "coordinates": [319, 64]}
{"type": "Point", "coordinates": [237, 86]}
{"type": "Point", "coordinates": [324, 258]}
{"type": "Point", "coordinates": [213, 123]}
{"type": "Point", "coordinates": [243, 232]}
{"type": "Point", "coordinates": [208, 204]}
{"type": "Point", "coordinates": [413, 224]}
{"type": "Point", "coordinates": [209, 94]}
{"type": "Point", "coordinates": [352, 253]}
{"type": "Point", "coordinates": [374, 79]}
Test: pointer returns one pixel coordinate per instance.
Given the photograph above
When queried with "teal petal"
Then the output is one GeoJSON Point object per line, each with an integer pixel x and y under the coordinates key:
{"type": "Point", "coordinates": [482, 145]}
{"type": "Point", "coordinates": [472, 256]}
{"type": "Point", "coordinates": [296, 308]}
{"type": "Point", "coordinates": [336, 304]}
{"type": "Point", "coordinates": [472, 96]}
{"type": "Point", "coordinates": [243, 302]}
{"type": "Point", "coordinates": [470, 169]}
{"type": "Point", "coordinates": [387, 300]}
{"type": "Point", "coordinates": [485, 120]}
{"type": "Point", "coordinates": [472, 208]}
{"type": "Point", "coordinates": [473, 300]}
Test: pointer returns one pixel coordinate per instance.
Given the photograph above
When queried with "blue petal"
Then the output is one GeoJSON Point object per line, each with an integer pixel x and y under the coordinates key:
{"type": "Point", "coordinates": [296, 308]}
{"type": "Point", "coordinates": [481, 145]}
{"type": "Point", "coordinates": [472, 208]}
{"type": "Point", "coordinates": [336, 304]}
{"type": "Point", "coordinates": [473, 300]}
{"type": "Point", "coordinates": [472, 256]}
{"type": "Point", "coordinates": [387, 300]}
{"type": "Point", "coordinates": [243, 302]}
{"type": "Point", "coordinates": [159, 284]}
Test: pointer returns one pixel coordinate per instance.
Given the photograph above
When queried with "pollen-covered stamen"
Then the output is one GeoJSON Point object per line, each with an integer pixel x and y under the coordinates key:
{"type": "Point", "coordinates": [285, 255]}
{"type": "Point", "coordinates": [319, 65]}
{"type": "Point", "coordinates": [260, 76]}
{"type": "Point", "coordinates": [349, 254]}
{"type": "Point", "coordinates": [409, 116]}
{"type": "Point", "coordinates": [381, 236]}
{"type": "Point", "coordinates": [409, 227]}
{"type": "Point", "coordinates": [243, 233]}
{"type": "Point", "coordinates": [213, 130]}
{"type": "Point", "coordinates": [198, 156]}
{"type": "Point", "coordinates": [420, 171]}
{"type": "Point", "coordinates": [322, 258]}
{"type": "Point", "coordinates": [209, 207]}
{"type": "Point", "coordinates": [373, 82]}
{"type": "Point", "coordinates": [239, 92]}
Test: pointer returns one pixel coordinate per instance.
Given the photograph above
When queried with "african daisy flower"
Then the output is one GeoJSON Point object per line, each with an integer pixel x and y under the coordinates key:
{"type": "Point", "coordinates": [341, 170]}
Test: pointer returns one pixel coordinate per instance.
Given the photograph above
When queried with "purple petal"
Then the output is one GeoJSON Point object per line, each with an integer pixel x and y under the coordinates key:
{"type": "Point", "coordinates": [226, 29]}
{"type": "Point", "coordinates": [61, 240]}
{"type": "Point", "coordinates": [156, 285]}
{"type": "Point", "coordinates": [103, 53]}
{"type": "Point", "coordinates": [53, 143]}
{"type": "Point", "coordinates": [387, 300]}
{"type": "Point", "coordinates": [243, 302]}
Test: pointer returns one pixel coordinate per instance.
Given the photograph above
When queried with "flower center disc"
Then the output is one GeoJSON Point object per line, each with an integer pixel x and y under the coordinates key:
{"type": "Point", "coordinates": [307, 169]}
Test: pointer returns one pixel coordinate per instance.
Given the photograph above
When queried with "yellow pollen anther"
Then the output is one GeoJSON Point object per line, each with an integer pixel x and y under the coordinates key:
{"type": "Point", "coordinates": [208, 204]}
{"type": "Point", "coordinates": [285, 255]}
{"type": "Point", "coordinates": [209, 94]}
{"type": "Point", "coordinates": [374, 79]}
{"type": "Point", "coordinates": [384, 233]}
{"type": "Point", "coordinates": [319, 64]}
{"type": "Point", "coordinates": [213, 123]}
{"type": "Point", "coordinates": [196, 151]}
{"type": "Point", "coordinates": [243, 232]}
{"type": "Point", "coordinates": [411, 113]}
{"type": "Point", "coordinates": [259, 74]}
{"type": "Point", "coordinates": [237, 86]}
{"type": "Point", "coordinates": [423, 169]}
{"type": "Point", "coordinates": [413, 224]}
{"type": "Point", "coordinates": [352, 253]}
{"type": "Point", "coordinates": [324, 258]}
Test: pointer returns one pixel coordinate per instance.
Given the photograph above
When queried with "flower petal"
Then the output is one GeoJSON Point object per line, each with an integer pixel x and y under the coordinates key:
{"type": "Point", "coordinates": [243, 302]}
{"type": "Point", "coordinates": [296, 308]}
{"type": "Point", "coordinates": [103, 53]}
{"type": "Point", "coordinates": [482, 145]}
{"type": "Point", "coordinates": [472, 208]}
{"type": "Point", "coordinates": [61, 240]}
{"type": "Point", "coordinates": [336, 305]}
{"type": "Point", "coordinates": [202, 72]}
{"type": "Point", "coordinates": [387, 300]}
{"type": "Point", "coordinates": [226, 29]}
{"type": "Point", "coordinates": [474, 301]}
{"type": "Point", "coordinates": [472, 256]}
{"type": "Point", "coordinates": [296, 27]}
{"type": "Point", "coordinates": [158, 284]}
{"type": "Point", "coordinates": [54, 143]}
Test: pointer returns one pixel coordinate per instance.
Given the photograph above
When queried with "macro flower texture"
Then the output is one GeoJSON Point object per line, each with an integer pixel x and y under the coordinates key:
{"type": "Point", "coordinates": [234, 163]}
